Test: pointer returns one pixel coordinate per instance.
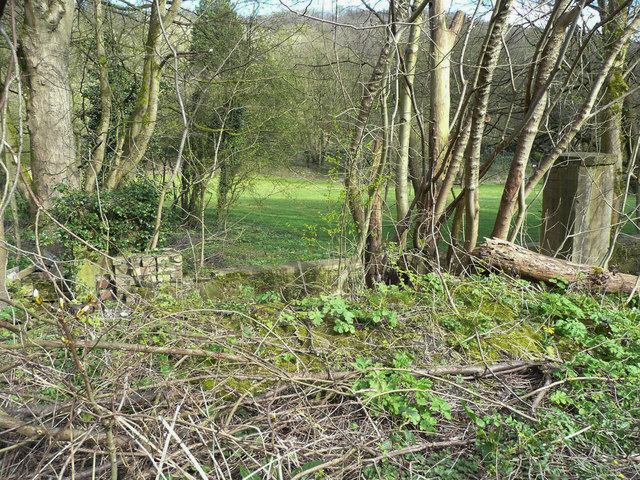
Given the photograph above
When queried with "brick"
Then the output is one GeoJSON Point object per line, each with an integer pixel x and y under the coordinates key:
{"type": "Point", "coordinates": [141, 271]}
{"type": "Point", "coordinates": [121, 269]}
{"type": "Point", "coordinates": [119, 261]}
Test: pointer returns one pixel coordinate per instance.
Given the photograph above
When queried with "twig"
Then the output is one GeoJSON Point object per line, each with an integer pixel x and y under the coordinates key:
{"type": "Point", "coordinates": [324, 465]}
{"type": "Point", "coordinates": [127, 347]}
{"type": "Point", "coordinates": [420, 447]}
{"type": "Point", "coordinates": [541, 394]}
{"type": "Point", "coordinates": [560, 382]}
{"type": "Point", "coordinates": [59, 434]}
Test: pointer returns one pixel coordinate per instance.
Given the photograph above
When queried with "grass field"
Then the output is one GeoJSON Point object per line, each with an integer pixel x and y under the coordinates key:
{"type": "Point", "coordinates": [284, 219]}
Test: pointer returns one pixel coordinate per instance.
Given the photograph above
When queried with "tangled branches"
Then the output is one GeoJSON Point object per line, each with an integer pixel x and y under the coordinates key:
{"type": "Point", "coordinates": [208, 393]}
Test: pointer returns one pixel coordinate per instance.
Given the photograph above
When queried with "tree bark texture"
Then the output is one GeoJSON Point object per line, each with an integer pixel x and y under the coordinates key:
{"type": "Point", "coordinates": [612, 138]}
{"type": "Point", "coordinates": [612, 135]}
{"type": "Point", "coordinates": [443, 40]}
{"type": "Point", "coordinates": [98, 153]}
{"type": "Point", "coordinates": [406, 118]}
{"type": "Point", "coordinates": [373, 253]}
{"type": "Point", "coordinates": [45, 50]}
{"type": "Point", "coordinates": [371, 91]}
{"type": "Point", "coordinates": [511, 258]}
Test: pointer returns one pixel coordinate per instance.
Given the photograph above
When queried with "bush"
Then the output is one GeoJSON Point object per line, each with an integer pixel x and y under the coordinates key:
{"type": "Point", "coordinates": [121, 220]}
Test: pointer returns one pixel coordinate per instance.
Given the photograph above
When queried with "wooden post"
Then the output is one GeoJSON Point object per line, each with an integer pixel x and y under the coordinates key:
{"type": "Point", "coordinates": [577, 206]}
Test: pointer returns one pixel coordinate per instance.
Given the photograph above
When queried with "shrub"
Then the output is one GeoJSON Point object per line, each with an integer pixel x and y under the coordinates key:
{"type": "Point", "coordinates": [121, 220]}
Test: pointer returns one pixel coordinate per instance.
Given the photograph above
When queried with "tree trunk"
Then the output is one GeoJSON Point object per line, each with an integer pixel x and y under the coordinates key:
{"type": "Point", "coordinates": [373, 253]}
{"type": "Point", "coordinates": [612, 134]}
{"type": "Point", "coordinates": [371, 91]}
{"type": "Point", "coordinates": [443, 40]}
{"type": "Point", "coordinates": [513, 259]}
{"type": "Point", "coordinates": [406, 118]}
{"type": "Point", "coordinates": [548, 58]}
{"type": "Point", "coordinates": [45, 50]}
{"type": "Point", "coordinates": [4, 293]}
{"type": "Point", "coordinates": [490, 55]}
{"type": "Point", "coordinates": [587, 106]}
{"type": "Point", "coordinates": [98, 153]}
{"type": "Point", "coordinates": [142, 120]}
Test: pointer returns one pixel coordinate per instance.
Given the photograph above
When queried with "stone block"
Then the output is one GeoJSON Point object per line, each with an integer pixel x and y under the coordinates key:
{"type": "Point", "coordinates": [148, 260]}
{"type": "Point", "coordinates": [107, 295]}
{"type": "Point", "coordinates": [577, 207]}
{"type": "Point", "coordinates": [119, 261]}
{"type": "Point", "coordinates": [13, 274]}
{"type": "Point", "coordinates": [121, 269]}
{"type": "Point", "coordinates": [167, 270]}
{"type": "Point", "coordinates": [163, 260]}
{"type": "Point", "coordinates": [141, 271]}
{"type": "Point", "coordinates": [124, 281]}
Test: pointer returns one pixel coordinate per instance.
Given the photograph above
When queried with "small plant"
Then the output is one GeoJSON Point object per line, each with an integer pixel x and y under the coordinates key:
{"type": "Point", "coordinates": [345, 314]}
{"type": "Point", "coordinates": [332, 307]}
{"type": "Point", "coordinates": [399, 392]}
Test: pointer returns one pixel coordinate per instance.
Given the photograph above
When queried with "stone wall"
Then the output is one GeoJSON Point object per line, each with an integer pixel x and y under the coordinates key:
{"type": "Point", "coordinates": [291, 280]}
{"type": "Point", "coordinates": [129, 275]}
{"type": "Point", "coordinates": [577, 207]}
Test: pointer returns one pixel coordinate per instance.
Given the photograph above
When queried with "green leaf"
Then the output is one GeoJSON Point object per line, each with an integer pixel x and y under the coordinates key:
{"type": "Point", "coordinates": [478, 421]}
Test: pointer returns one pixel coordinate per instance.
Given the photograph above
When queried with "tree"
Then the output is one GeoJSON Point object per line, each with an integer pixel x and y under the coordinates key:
{"type": "Point", "coordinates": [98, 154]}
{"type": "Point", "coordinates": [484, 124]}
{"type": "Point", "coordinates": [546, 64]}
{"type": "Point", "coordinates": [217, 71]}
{"type": "Point", "coordinates": [142, 121]}
{"type": "Point", "coordinates": [44, 47]}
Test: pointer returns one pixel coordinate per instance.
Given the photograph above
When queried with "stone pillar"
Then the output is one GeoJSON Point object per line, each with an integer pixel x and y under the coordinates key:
{"type": "Point", "coordinates": [577, 207]}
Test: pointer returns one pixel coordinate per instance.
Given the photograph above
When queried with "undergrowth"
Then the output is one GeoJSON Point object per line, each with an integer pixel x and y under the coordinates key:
{"type": "Point", "coordinates": [511, 380]}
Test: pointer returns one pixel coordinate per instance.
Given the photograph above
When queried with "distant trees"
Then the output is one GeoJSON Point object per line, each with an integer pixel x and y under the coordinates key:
{"type": "Point", "coordinates": [216, 75]}
{"type": "Point", "coordinates": [240, 101]}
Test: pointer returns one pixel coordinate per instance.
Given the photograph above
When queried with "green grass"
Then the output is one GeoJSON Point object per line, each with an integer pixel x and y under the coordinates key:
{"type": "Point", "coordinates": [280, 220]}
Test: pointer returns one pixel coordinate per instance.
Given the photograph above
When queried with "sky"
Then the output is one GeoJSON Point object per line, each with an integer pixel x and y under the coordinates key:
{"type": "Point", "coordinates": [522, 9]}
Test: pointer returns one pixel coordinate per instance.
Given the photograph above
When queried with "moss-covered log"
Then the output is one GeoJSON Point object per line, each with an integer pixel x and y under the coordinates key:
{"type": "Point", "coordinates": [529, 265]}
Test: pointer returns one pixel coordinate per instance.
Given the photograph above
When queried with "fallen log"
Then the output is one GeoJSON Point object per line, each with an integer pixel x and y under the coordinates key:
{"type": "Point", "coordinates": [512, 258]}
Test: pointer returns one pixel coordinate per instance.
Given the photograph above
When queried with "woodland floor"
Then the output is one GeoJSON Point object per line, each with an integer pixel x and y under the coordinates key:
{"type": "Point", "coordinates": [479, 378]}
